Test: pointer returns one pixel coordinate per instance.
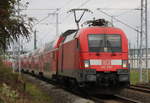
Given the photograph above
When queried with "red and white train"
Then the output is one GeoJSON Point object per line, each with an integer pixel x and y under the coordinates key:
{"type": "Point", "coordinates": [93, 56]}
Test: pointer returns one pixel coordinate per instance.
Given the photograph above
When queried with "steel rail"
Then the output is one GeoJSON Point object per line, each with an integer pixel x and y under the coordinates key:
{"type": "Point", "coordinates": [140, 88]}
{"type": "Point", "coordinates": [128, 100]}
{"type": "Point", "coordinates": [115, 99]}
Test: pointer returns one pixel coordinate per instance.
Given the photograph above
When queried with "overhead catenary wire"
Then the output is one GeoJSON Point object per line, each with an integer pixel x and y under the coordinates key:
{"type": "Point", "coordinates": [37, 9]}
{"type": "Point", "coordinates": [120, 9]}
{"type": "Point", "coordinates": [129, 26]}
{"type": "Point", "coordinates": [42, 20]}
{"type": "Point", "coordinates": [49, 14]}
{"type": "Point", "coordinates": [84, 3]}
{"type": "Point", "coordinates": [81, 5]}
{"type": "Point", "coordinates": [126, 10]}
{"type": "Point", "coordinates": [123, 13]}
{"type": "Point", "coordinates": [68, 2]}
{"type": "Point", "coordinates": [87, 1]}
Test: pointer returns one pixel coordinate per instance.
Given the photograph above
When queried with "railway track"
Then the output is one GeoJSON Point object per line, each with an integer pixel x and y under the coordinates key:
{"type": "Point", "coordinates": [140, 88]}
{"type": "Point", "coordinates": [96, 99]}
{"type": "Point", "coordinates": [127, 100]}
{"type": "Point", "coordinates": [113, 99]}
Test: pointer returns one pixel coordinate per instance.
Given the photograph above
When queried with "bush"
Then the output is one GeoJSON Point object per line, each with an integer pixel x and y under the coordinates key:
{"type": "Point", "coordinates": [8, 94]}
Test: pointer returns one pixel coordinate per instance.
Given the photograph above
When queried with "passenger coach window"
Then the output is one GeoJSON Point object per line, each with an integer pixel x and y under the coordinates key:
{"type": "Point", "coordinates": [104, 43]}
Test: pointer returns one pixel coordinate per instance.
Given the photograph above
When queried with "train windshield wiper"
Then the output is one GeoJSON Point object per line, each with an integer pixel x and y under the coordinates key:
{"type": "Point", "coordinates": [101, 45]}
{"type": "Point", "coordinates": [109, 45]}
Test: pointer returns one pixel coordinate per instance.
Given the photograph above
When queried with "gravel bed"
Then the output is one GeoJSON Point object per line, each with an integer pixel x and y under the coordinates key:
{"type": "Point", "coordinates": [136, 95]}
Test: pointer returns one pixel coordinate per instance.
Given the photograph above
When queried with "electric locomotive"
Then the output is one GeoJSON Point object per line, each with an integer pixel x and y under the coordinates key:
{"type": "Point", "coordinates": [95, 56]}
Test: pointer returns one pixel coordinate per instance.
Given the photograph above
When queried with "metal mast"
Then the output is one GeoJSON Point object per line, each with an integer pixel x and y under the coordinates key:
{"type": "Point", "coordinates": [57, 21]}
{"type": "Point", "coordinates": [57, 24]}
{"type": "Point", "coordinates": [35, 41]}
{"type": "Point", "coordinates": [144, 35]}
{"type": "Point", "coordinates": [137, 54]}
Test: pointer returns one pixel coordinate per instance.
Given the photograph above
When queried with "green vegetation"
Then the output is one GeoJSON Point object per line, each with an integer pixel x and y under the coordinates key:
{"type": "Point", "coordinates": [14, 88]}
{"type": "Point", "coordinates": [12, 25]}
{"type": "Point", "coordinates": [7, 94]}
{"type": "Point", "coordinates": [135, 76]}
{"type": "Point", "coordinates": [1, 101]}
{"type": "Point", "coordinates": [37, 95]}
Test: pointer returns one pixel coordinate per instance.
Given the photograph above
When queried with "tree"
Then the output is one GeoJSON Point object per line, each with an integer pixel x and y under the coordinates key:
{"type": "Point", "coordinates": [12, 25]}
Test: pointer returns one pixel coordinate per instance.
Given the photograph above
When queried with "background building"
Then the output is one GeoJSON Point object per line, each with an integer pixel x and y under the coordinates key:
{"type": "Point", "coordinates": [134, 56]}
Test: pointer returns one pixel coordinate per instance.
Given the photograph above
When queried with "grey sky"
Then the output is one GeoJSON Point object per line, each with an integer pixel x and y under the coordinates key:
{"type": "Point", "coordinates": [46, 29]}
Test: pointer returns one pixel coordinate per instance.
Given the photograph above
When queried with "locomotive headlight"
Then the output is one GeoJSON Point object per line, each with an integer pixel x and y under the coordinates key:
{"type": "Point", "coordinates": [86, 63]}
{"type": "Point", "coordinates": [125, 63]}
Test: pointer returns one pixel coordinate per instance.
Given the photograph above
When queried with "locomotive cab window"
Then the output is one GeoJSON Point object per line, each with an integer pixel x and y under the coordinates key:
{"type": "Point", "coordinates": [104, 43]}
{"type": "Point", "coordinates": [96, 43]}
{"type": "Point", "coordinates": [69, 37]}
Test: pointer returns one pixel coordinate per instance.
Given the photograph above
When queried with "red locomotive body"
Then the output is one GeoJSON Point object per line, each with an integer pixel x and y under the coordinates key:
{"type": "Point", "coordinates": [96, 56]}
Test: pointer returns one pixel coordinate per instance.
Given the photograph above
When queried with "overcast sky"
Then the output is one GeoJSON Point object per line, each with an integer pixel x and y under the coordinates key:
{"type": "Point", "coordinates": [46, 30]}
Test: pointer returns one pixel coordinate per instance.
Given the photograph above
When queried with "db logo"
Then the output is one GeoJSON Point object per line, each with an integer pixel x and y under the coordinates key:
{"type": "Point", "coordinates": [106, 62]}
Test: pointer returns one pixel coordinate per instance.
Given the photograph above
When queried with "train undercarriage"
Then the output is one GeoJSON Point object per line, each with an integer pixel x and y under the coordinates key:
{"type": "Point", "coordinates": [94, 82]}
{"type": "Point", "coordinates": [101, 82]}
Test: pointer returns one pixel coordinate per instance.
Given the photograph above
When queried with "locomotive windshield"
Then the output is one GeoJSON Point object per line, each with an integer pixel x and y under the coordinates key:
{"type": "Point", "coordinates": [104, 43]}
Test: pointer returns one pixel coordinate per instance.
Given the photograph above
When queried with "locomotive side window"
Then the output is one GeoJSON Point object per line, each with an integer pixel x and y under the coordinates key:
{"type": "Point", "coordinates": [104, 43]}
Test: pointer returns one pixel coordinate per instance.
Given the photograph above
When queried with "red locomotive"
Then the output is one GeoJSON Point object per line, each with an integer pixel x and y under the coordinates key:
{"type": "Point", "coordinates": [93, 56]}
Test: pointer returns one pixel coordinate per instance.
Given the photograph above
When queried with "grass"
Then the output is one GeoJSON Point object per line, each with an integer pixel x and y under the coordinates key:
{"type": "Point", "coordinates": [12, 83]}
{"type": "Point", "coordinates": [135, 76]}
{"type": "Point", "coordinates": [37, 95]}
{"type": "Point", "coordinates": [1, 101]}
